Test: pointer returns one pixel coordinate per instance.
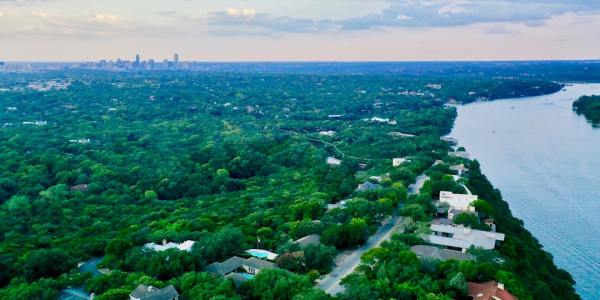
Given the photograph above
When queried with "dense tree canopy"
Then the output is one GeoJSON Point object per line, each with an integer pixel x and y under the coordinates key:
{"type": "Point", "coordinates": [235, 161]}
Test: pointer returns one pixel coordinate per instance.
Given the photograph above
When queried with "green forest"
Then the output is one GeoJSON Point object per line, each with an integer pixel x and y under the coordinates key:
{"type": "Point", "coordinates": [101, 163]}
{"type": "Point", "coordinates": [589, 107]}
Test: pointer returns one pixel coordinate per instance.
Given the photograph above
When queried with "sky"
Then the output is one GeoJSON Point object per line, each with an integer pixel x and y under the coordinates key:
{"type": "Point", "coordinates": [299, 30]}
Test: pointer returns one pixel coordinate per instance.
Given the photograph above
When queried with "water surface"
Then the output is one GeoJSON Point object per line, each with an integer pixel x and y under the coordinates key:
{"type": "Point", "coordinates": [546, 161]}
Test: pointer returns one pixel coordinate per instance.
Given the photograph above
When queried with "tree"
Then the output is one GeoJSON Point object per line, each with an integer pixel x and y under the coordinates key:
{"type": "Point", "coordinates": [467, 219]}
{"type": "Point", "coordinates": [459, 283]}
{"type": "Point", "coordinates": [319, 257]}
{"type": "Point", "coordinates": [278, 284]}
{"type": "Point", "coordinates": [117, 247]}
{"type": "Point", "coordinates": [46, 263]}
{"type": "Point", "coordinates": [220, 244]}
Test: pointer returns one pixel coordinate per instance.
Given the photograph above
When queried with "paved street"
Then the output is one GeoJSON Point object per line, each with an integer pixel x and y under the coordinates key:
{"type": "Point", "coordinates": [349, 261]}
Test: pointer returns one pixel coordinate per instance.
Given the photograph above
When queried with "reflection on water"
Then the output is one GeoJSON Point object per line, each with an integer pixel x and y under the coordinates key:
{"type": "Point", "coordinates": [546, 161]}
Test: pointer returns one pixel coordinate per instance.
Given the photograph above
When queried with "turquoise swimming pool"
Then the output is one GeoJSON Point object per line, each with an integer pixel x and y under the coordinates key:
{"type": "Point", "coordinates": [259, 254]}
{"type": "Point", "coordinates": [247, 276]}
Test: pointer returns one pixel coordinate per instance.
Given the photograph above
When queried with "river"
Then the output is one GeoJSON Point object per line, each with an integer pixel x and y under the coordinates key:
{"type": "Point", "coordinates": [546, 161]}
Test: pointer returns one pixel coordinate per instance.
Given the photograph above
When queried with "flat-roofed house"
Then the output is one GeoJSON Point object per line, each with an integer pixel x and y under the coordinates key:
{"type": "Point", "coordinates": [460, 238]}
{"type": "Point", "coordinates": [461, 169]}
{"type": "Point", "coordinates": [435, 253]}
{"type": "Point", "coordinates": [458, 203]}
{"type": "Point", "coordinates": [333, 161]}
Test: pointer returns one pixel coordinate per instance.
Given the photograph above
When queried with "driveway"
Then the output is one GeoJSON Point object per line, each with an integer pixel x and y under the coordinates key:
{"type": "Point", "coordinates": [347, 262]}
{"type": "Point", "coordinates": [414, 188]}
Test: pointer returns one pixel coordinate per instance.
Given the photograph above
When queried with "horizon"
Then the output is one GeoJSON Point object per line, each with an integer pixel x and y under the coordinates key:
{"type": "Point", "coordinates": [268, 30]}
{"type": "Point", "coordinates": [307, 61]}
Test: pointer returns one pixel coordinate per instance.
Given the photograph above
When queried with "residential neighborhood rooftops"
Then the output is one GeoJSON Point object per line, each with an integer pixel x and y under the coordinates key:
{"type": "Point", "coordinates": [489, 291]}
{"type": "Point", "coordinates": [432, 252]}
{"type": "Point", "coordinates": [313, 239]}
{"type": "Point", "coordinates": [148, 292]}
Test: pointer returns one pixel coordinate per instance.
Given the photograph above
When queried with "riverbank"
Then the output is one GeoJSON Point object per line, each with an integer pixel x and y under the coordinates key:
{"type": "Point", "coordinates": [543, 157]}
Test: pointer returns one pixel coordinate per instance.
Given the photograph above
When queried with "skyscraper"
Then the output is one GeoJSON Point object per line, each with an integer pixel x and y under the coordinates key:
{"type": "Point", "coordinates": [137, 59]}
{"type": "Point", "coordinates": [176, 61]}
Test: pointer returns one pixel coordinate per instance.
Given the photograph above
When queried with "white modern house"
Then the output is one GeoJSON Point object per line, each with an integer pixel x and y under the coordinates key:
{"type": "Point", "coordinates": [398, 161]}
{"type": "Point", "coordinates": [185, 246]}
{"type": "Point", "coordinates": [460, 238]}
{"type": "Point", "coordinates": [333, 161]}
{"type": "Point", "coordinates": [458, 203]}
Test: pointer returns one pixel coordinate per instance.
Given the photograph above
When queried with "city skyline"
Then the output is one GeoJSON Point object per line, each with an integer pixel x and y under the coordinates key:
{"type": "Point", "coordinates": [268, 30]}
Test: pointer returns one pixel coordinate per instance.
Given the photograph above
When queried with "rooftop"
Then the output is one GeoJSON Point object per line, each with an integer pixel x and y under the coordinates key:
{"type": "Point", "coordinates": [230, 265]}
{"type": "Point", "coordinates": [368, 186]}
{"type": "Point", "coordinates": [489, 291]}
{"type": "Point", "coordinates": [313, 239]}
{"type": "Point", "coordinates": [464, 237]}
{"type": "Point", "coordinates": [148, 292]}
{"type": "Point", "coordinates": [432, 252]}
{"type": "Point", "coordinates": [185, 246]}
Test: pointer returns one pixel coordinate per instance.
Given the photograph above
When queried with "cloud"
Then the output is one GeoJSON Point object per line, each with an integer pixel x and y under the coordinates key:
{"type": "Point", "coordinates": [444, 13]}
{"type": "Point", "coordinates": [249, 21]}
{"type": "Point", "coordinates": [110, 19]}
{"type": "Point", "coordinates": [244, 12]}
{"type": "Point", "coordinates": [43, 24]}
{"type": "Point", "coordinates": [405, 14]}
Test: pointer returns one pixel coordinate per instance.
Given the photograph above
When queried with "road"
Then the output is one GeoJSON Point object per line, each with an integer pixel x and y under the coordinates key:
{"type": "Point", "coordinates": [414, 188]}
{"type": "Point", "coordinates": [330, 284]}
{"type": "Point", "coordinates": [347, 262]}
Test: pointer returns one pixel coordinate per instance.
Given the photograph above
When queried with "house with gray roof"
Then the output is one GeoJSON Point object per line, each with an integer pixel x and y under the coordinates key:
{"type": "Point", "coordinates": [240, 269]}
{"type": "Point", "coordinates": [313, 239]}
{"type": "Point", "coordinates": [148, 292]}
{"type": "Point", "coordinates": [368, 186]}
{"type": "Point", "coordinates": [435, 253]}
{"type": "Point", "coordinates": [458, 237]}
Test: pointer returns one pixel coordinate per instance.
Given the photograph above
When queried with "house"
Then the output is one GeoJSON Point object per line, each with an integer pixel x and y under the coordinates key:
{"type": "Point", "coordinates": [461, 202]}
{"type": "Point", "coordinates": [79, 187]}
{"type": "Point", "coordinates": [489, 291]}
{"type": "Point", "coordinates": [458, 237]}
{"type": "Point", "coordinates": [431, 252]}
{"type": "Point", "coordinates": [313, 239]}
{"type": "Point", "coordinates": [400, 134]}
{"type": "Point", "coordinates": [398, 161]}
{"type": "Point", "coordinates": [368, 186]}
{"type": "Point", "coordinates": [247, 268]}
{"type": "Point", "coordinates": [333, 161]}
{"type": "Point", "coordinates": [339, 204]}
{"type": "Point", "coordinates": [461, 169]}
{"type": "Point", "coordinates": [450, 140]}
{"type": "Point", "coordinates": [327, 133]}
{"type": "Point", "coordinates": [148, 292]}
{"type": "Point", "coordinates": [459, 154]}
{"type": "Point", "coordinates": [185, 246]}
